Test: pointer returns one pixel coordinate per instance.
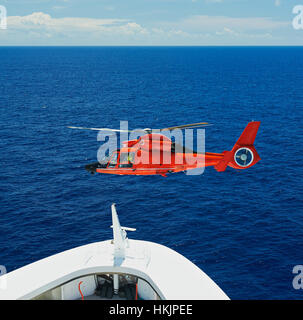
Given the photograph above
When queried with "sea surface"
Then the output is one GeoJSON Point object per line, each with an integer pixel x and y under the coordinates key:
{"type": "Point", "coordinates": [244, 228]}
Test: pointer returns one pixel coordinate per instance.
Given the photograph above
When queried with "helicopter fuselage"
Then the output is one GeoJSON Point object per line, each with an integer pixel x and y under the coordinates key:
{"type": "Point", "coordinates": [156, 154]}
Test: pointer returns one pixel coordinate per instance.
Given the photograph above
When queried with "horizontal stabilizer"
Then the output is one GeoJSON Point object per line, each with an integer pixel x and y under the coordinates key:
{"type": "Point", "coordinates": [221, 166]}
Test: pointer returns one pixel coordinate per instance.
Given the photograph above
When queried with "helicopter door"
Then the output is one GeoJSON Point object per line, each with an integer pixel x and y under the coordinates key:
{"type": "Point", "coordinates": [126, 159]}
{"type": "Point", "coordinates": [113, 160]}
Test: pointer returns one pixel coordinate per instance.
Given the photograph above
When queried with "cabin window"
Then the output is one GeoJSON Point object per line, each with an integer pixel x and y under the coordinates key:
{"type": "Point", "coordinates": [104, 161]}
{"type": "Point", "coordinates": [126, 159]}
{"type": "Point", "coordinates": [113, 160]}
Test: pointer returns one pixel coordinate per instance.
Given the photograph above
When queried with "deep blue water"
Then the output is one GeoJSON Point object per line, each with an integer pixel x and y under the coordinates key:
{"type": "Point", "coordinates": [243, 228]}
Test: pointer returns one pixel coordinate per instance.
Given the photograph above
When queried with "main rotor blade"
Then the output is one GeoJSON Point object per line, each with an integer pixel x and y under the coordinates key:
{"type": "Point", "coordinates": [99, 129]}
{"type": "Point", "coordinates": [188, 126]}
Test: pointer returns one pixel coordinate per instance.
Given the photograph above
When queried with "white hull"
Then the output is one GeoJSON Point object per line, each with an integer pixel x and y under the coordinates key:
{"type": "Point", "coordinates": [157, 272]}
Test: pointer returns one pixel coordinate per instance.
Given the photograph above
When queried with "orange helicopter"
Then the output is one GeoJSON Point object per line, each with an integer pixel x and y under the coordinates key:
{"type": "Point", "coordinates": [155, 154]}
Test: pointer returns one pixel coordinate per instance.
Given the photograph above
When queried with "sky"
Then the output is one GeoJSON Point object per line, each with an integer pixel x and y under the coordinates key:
{"type": "Point", "coordinates": [150, 22]}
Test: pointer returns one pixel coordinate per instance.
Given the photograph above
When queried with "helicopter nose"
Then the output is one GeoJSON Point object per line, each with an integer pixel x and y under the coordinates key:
{"type": "Point", "coordinates": [91, 167]}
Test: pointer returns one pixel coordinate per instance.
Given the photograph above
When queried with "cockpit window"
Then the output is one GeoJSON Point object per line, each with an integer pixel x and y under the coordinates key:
{"type": "Point", "coordinates": [126, 159]}
{"type": "Point", "coordinates": [104, 159]}
{"type": "Point", "coordinates": [113, 160]}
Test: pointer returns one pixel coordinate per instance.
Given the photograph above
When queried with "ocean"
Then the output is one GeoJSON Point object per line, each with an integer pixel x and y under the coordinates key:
{"type": "Point", "coordinates": [244, 228]}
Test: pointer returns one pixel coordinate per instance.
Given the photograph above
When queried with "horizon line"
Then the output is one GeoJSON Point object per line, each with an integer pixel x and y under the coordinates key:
{"type": "Point", "coordinates": [164, 46]}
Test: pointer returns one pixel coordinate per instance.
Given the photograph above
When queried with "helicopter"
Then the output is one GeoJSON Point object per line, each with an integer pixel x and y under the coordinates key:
{"type": "Point", "coordinates": [153, 153]}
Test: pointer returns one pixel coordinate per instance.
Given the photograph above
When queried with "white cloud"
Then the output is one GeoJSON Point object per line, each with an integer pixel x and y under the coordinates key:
{"type": "Point", "coordinates": [37, 20]}
{"type": "Point", "coordinates": [193, 24]}
{"type": "Point", "coordinates": [42, 28]}
{"type": "Point", "coordinates": [227, 31]}
{"type": "Point", "coordinates": [277, 3]}
{"type": "Point", "coordinates": [131, 28]}
{"type": "Point", "coordinates": [201, 23]}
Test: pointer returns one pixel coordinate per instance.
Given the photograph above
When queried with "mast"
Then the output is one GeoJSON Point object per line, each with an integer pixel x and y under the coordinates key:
{"type": "Point", "coordinates": [120, 243]}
